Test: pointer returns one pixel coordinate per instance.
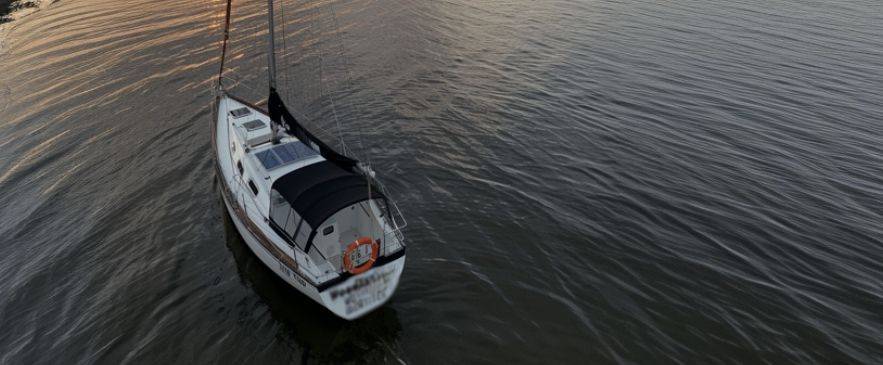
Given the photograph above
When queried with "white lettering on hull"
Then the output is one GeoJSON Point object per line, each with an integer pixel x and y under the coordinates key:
{"type": "Point", "coordinates": [366, 290]}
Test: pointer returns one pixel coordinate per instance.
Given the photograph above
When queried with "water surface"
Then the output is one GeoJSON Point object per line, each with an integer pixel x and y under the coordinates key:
{"type": "Point", "coordinates": [602, 181]}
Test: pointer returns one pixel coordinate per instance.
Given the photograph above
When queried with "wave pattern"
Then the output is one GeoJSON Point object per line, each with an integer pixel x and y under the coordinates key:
{"type": "Point", "coordinates": [621, 181]}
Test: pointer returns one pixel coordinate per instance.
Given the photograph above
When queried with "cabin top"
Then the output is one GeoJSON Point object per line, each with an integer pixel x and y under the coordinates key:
{"type": "Point", "coordinates": [292, 180]}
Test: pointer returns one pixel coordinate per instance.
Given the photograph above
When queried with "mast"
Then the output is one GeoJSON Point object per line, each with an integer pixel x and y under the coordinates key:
{"type": "Point", "coordinates": [271, 70]}
{"type": "Point", "coordinates": [271, 55]}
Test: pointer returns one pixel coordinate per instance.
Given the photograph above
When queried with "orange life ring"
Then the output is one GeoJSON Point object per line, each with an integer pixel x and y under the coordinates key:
{"type": "Point", "coordinates": [348, 263]}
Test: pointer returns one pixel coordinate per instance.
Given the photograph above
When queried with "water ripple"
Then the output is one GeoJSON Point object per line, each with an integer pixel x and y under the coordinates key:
{"type": "Point", "coordinates": [625, 181]}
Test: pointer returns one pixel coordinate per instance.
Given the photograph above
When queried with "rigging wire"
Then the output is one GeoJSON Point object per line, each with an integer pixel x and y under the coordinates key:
{"type": "Point", "coordinates": [349, 83]}
{"type": "Point", "coordinates": [327, 22]}
{"type": "Point", "coordinates": [322, 84]}
{"type": "Point", "coordinates": [286, 78]}
{"type": "Point", "coordinates": [351, 87]}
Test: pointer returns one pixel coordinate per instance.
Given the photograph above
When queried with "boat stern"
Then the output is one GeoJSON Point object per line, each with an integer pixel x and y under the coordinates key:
{"type": "Point", "coordinates": [362, 293]}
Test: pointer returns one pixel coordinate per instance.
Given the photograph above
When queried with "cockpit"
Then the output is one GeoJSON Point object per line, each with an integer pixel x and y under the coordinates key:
{"type": "Point", "coordinates": [322, 208]}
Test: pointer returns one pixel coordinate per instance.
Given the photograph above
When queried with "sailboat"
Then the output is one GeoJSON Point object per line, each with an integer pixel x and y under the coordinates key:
{"type": "Point", "coordinates": [318, 218]}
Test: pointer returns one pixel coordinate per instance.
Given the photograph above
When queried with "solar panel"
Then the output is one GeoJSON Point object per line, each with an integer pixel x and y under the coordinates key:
{"type": "Point", "coordinates": [284, 154]}
{"type": "Point", "coordinates": [268, 159]}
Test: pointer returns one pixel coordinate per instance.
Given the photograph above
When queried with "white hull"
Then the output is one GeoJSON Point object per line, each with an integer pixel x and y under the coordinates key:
{"type": "Point", "coordinates": [382, 280]}
{"type": "Point", "coordinates": [350, 298]}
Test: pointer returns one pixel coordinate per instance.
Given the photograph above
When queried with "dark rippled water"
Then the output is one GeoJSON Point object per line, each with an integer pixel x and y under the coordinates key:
{"type": "Point", "coordinates": [585, 181]}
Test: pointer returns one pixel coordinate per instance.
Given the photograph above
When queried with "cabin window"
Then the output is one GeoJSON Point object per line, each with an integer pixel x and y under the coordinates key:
{"type": "Point", "coordinates": [303, 234]}
{"type": "Point", "coordinates": [291, 223]}
{"type": "Point", "coordinates": [239, 166]}
{"type": "Point", "coordinates": [288, 221]}
{"type": "Point", "coordinates": [327, 230]}
{"type": "Point", "coordinates": [254, 188]}
{"type": "Point", "coordinates": [280, 210]}
{"type": "Point", "coordinates": [283, 217]}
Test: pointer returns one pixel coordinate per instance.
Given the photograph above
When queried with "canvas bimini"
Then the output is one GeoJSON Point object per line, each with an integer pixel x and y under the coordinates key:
{"type": "Point", "coordinates": [317, 218]}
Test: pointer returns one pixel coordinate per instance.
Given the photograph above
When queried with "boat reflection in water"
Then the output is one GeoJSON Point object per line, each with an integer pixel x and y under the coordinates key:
{"type": "Point", "coordinates": [319, 334]}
